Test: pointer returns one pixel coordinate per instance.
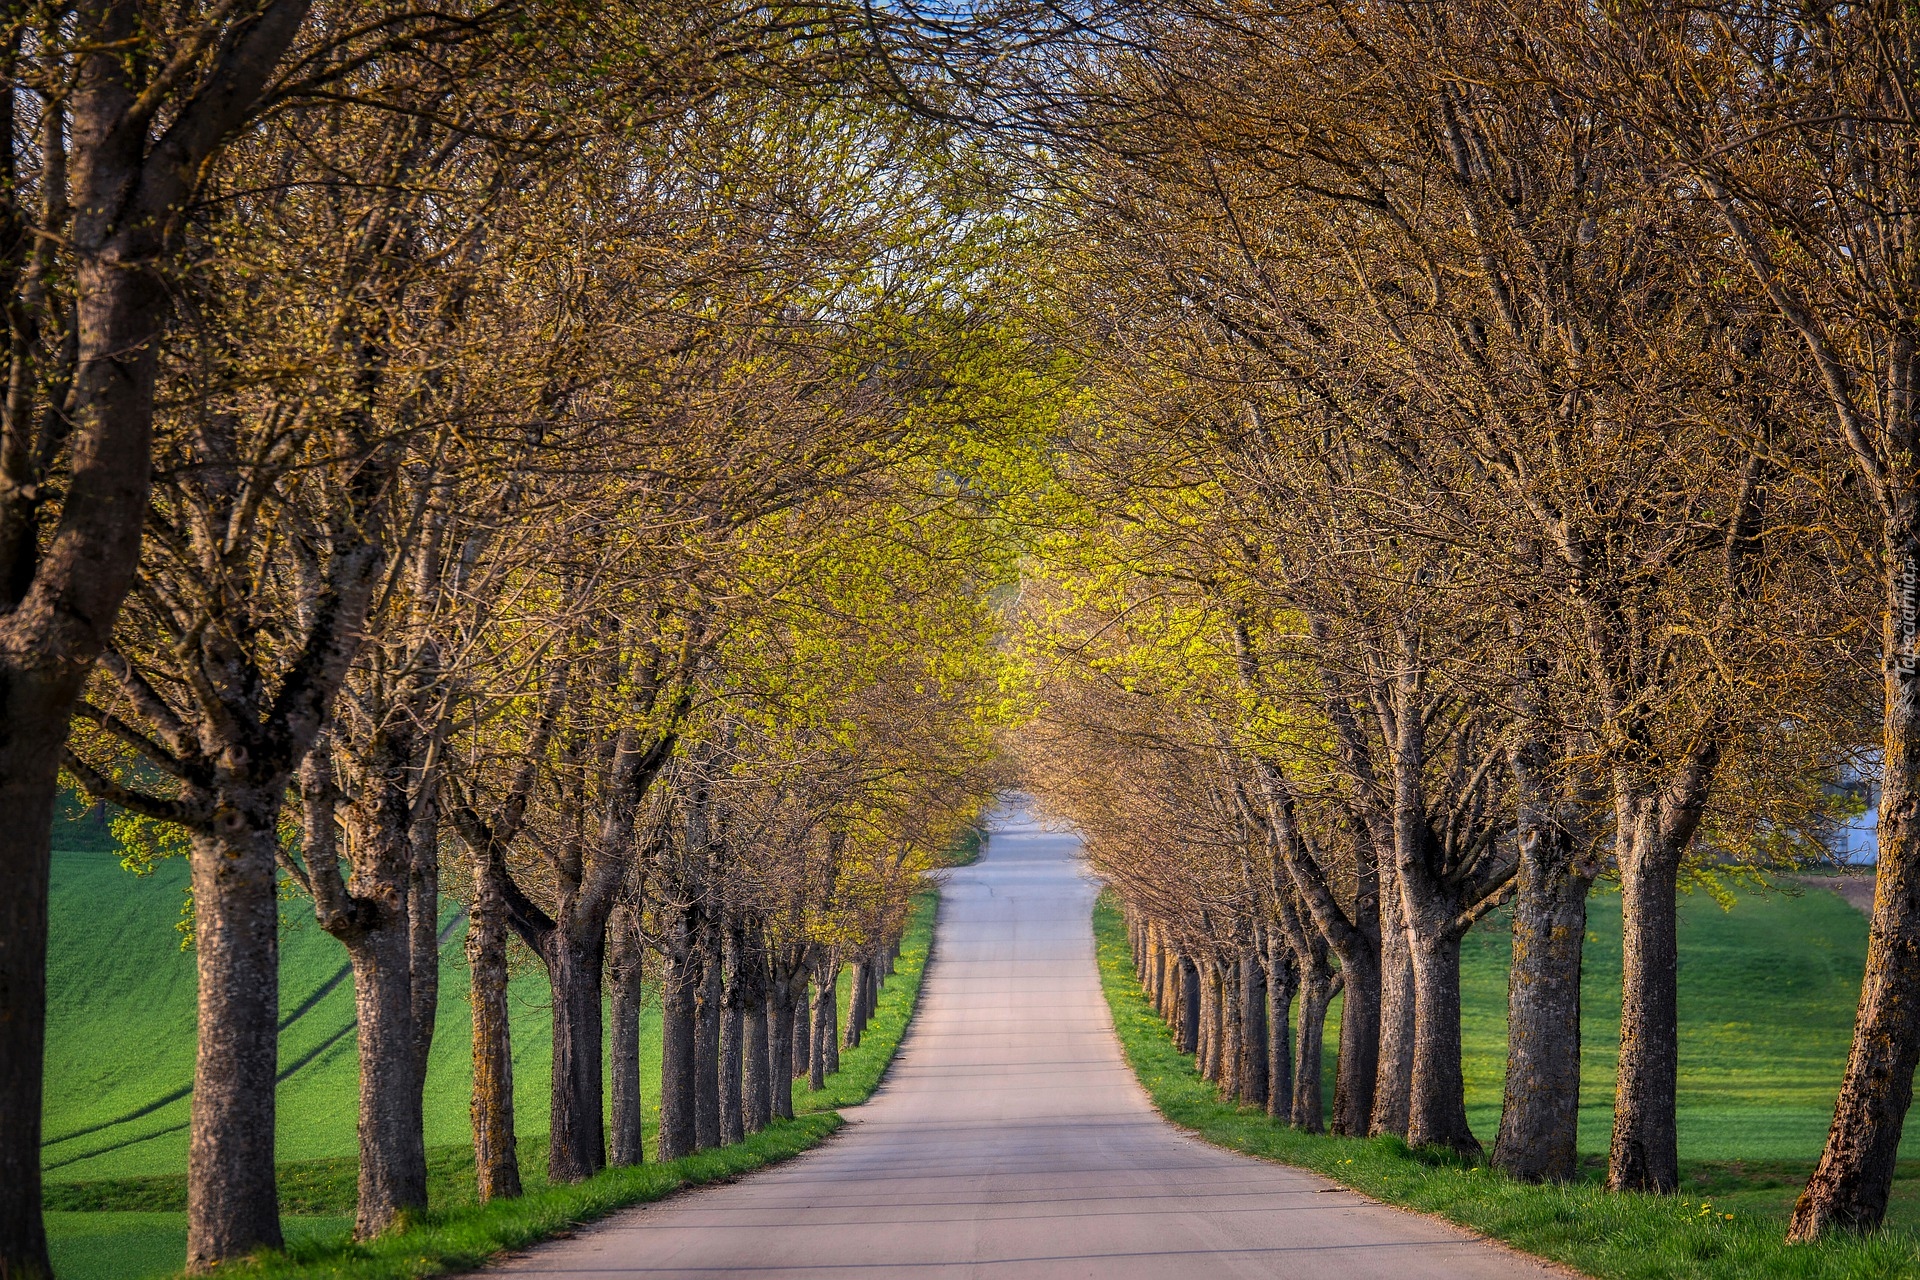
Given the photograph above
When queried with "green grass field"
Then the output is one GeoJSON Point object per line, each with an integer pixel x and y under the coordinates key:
{"type": "Point", "coordinates": [120, 1059]}
{"type": "Point", "coordinates": [1767, 995]}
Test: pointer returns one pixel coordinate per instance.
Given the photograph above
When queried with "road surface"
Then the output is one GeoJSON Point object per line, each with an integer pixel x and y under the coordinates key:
{"type": "Point", "coordinates": [1012, 1142]}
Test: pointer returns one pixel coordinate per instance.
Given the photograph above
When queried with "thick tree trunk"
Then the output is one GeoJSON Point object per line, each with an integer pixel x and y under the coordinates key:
{"type": "Point", "coordinates": [1359, 1063]}
{"type": "Point", "coordinates": [826, 983]}
{"type": "Point", "coordinates": [1283, 980]}
{"type": "Point", "coordinates": [1252, 1072]}
{"type": "Point", "coordinates": [780, 1047]}
{"type": "Point", "coordinates": [232, 1197]}
{"type": "Point", "coordinates": [374, 917]}
{"type": "Point", "coordinates": [579, 1140]}
{"type": "Point", "coordinates": [1393, 1082]}
{"type": "Point", "coordinates": [757, 1075]}
{"type": "Point", "coordinates": [393, 1153]}
{"type": "Point", "coordinates": [1156, 982]}
{"type": "Point", "coordinates": [679, 990]}
{"type": "Point", "coordinates": [707, 1017]}
{"type": "Point", "coordinates": [1227, 1011]}
{"type": "Point", "coordinates": [1189, 1037]}
{"type": "Point", "coordinates": [1438, 1114]}
{"type": "Point", "coordinates": [1849, 1188]}
{"type": "Point", "coordinates": [34, 708]}
{"type": "Point", "coordinates": [423, 931]}
{"type": "Point", "coordinates": [802, 1030]}
{"type": "Point", "coordinates": [732, 1030]}
{"type": "Point", "coordinates": [1540, 1113]}
{"type": "Point", "coordinates": [496, 1162]}
{"type": "Point", "coordinates": [627, 1144]}
{"type": "Point", "coordinates": [1207, 1052]}
{"type": "Point", "coordinates": [1645, 1154]}
{"type": "Point", "coordinates": [1316, 993]}
{"type": "Point", "coordinates": [857, 1007]}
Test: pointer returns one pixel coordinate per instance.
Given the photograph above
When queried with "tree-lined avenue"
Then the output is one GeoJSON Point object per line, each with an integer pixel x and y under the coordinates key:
{"type": "Point", "coordinates": [1011, 1140]}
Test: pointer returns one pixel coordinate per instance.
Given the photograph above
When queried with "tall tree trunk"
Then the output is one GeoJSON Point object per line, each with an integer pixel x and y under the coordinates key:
{"type": "Point", "coordinates": [679, 990]}
{"type": "Point", "coordinates": [732, 1030]}
{"type": "Point", "coordinates": [423, 933]}
{"type": "Point", "coordinates": [232, 1197]}
{"type": "Point", "coordinates": [575, 960]}
{"type": "Point", "coordinates": [495, 1160]}
{"type": "Point", "coordinates": [1189, 1038]}
{"type": "Point", "coordinates": [1850, 1187]}
{"type": "Point", "coordinates": [707, 1016]}
{"type": "Point", "coordinates": [34, 708]}
{"type": "Point", "coordinates": [393, 1153]}
{"type": "Point", "coordinates": [1645, 1153]}
{"type": "Point", "coordinates": [802, 1030]}
{"type": "Point", "coordinates": [1359, 1062]}
{"type": "Point", "coordinates": [1438, 1115]}
{"type": "Point", "coordinates": [1227, 1053]}
{"type": "Point", "coordinates": [1316, 993]}
{"type": "Point", "coordinates": [1156, 981]}
{"type": "Point", "coordinates": [1283, 979]}
{"type": "Point", "coordinates": [826, 984]}
{"type": "Point", "coordinates": [1252, 1072]}
{"type": "Point", "coordinates": [1540, 1111]}
{"type": "Point", "coordinates": [626, 967]}
{"type": "Point", "coordinates": [1206, 1054]}
{"type": "Point", "coordinates": [375, 918]}
{"type": "Point", "coordinates": [780, 1046]}
{"type": "Point", "coordinates": [1393, 1084]}
{"type": "Point", "coordinates": [857, 1007]}
{"type": "Point", "coordinates": [756, 1085]}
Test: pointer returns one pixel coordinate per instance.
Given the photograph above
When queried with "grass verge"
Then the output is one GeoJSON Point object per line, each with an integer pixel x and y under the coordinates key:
{"type": "Point", "coordinates": [1616, 1237]}
{"type": "Point", "coordinates": [458, 1234]}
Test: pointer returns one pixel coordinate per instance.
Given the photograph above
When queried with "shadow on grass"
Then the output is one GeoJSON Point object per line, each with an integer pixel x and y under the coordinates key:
{"type": "Point", "coordinates": [459, 1234]}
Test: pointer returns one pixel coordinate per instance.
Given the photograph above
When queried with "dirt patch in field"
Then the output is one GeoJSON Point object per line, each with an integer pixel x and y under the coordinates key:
{"type": "Point", "coordinates": [1855, 886]}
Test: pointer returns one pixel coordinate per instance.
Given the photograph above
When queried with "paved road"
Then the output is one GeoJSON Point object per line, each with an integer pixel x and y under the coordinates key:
{"type": "Point", "coordinates": [1011, 1141]}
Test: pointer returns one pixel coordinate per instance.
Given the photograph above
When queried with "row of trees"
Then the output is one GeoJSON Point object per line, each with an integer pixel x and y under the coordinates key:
{"type": "Point", "coordinates": [521, 457]}
{"type": "Point", "coordinates": [1498, 471]}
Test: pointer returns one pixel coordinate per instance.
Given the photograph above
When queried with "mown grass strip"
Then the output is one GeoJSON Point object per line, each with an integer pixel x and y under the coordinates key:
{"type": "Point", "coordinates": [1614, 1237]}
{"type": "Point", "coordinates": [461, 1237]}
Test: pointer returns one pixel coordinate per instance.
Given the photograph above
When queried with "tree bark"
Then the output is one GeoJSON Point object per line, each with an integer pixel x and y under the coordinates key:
{"type": "Point", "coordinates": [393, 1154]}
{"type": "Point", "coordinates": [1850, 1187]}
{"type": "Point", "coordinates": [33, 727]}
{"type": "Point", "coordinates": [374, 915]}
{"type": "Point", "coordinates": [802, 1030]}
{"type": "Point", "coordinates": [757, 1076]}
{"type": "Point", "coordinates": [826, 984]}
{"type": "Point", "coordinates": [1393, 1085]}
{"type": "Point", "coordinates": [707, 1016]}
{"type": "Point", "coordinates": [1438, 1114]}
{"type": "Point", "coordinates": [857, 1008]}
{"type": "Point", "coordinates": [495, 1158]}
{"type": "Point", "coordinates": [1254, 1040]}
{"type": "Point", "coordinates": [678, 994]}
{"type": "Point", "coordinates": [627, 1143]}
{"type": "Point", "coordinates": [1540, 1111]}
{"type": "Point", "coordinates": [732, 1030]}
{"type": "Point", "coordinates": [780, 1046]}
{"type": "Point", "coordinates": [1189, 1037]}
{"type": "Point", "coordinates": [1316, 993]}
{"type": "Point", "coordinates": [1359, 1063]}
{"type": "Point", "coordinates": [575, 961]}
{"type": "Point", "coordinates": [1283, 979]}
{"type": "Point", "coordinates": [232, 1196]}
{"type": "Point", "coordinates": [1645, 1152]}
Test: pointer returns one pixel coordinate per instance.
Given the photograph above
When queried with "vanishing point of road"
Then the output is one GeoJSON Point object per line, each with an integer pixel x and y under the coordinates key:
{"type": "Point", "coordinates": [1011, 1142]}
